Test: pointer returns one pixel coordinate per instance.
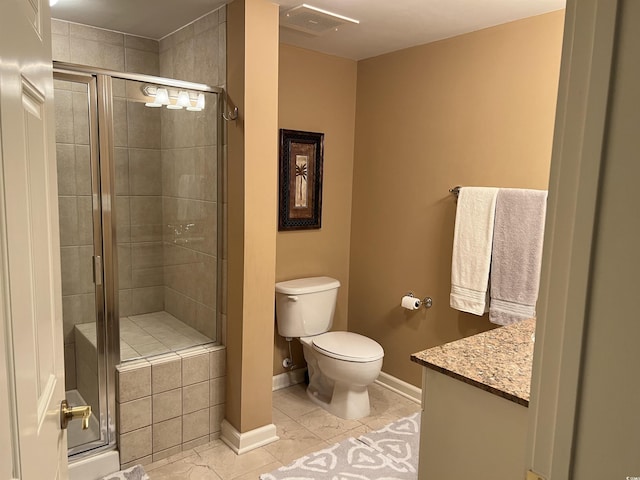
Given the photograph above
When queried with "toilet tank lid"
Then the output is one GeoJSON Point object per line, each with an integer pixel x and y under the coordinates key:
{"type": "Point", "coordinates": [300, 286]}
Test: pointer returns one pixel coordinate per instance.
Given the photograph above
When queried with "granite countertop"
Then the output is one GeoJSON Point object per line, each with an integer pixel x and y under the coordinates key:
{"type": "Point", "coordinates": [498, 361]}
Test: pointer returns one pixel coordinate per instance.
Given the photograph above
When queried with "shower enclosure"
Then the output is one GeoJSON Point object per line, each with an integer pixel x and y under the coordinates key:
{"type": "Point", "coordinates": [138, 187]}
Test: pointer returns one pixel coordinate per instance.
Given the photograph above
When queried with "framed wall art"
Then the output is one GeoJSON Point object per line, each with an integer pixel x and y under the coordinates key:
{"type": "Point", "coordinates": [301, 155]}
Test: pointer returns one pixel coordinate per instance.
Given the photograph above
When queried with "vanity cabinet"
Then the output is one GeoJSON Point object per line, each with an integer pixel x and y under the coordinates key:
{"type": "Point", "coordinates": [475, 397]}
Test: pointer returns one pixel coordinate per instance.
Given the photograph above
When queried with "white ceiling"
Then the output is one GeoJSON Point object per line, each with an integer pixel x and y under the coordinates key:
{"type": "Point", "coordinates": [385, 25]}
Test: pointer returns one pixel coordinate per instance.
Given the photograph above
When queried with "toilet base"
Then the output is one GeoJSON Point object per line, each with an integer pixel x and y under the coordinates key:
{"type": "Point", "coordinates": [348, 401]}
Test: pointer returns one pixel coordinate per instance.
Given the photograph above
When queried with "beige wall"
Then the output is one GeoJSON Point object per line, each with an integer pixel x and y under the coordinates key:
{"type": "Point", "coordinates": [477, 109]}
{"type": "Point", "coordinates": [321, 100]}
{"type": "Point", "coordinates": [252, 75]}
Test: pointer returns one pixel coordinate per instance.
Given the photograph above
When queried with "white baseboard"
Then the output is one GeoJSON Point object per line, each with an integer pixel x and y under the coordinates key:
{"type": "Point", "coordinates": [247, 441]}
{"type": "Point", "coordinates": [400, 387]}
{"type": "Point", "coordinates": [287, 379]}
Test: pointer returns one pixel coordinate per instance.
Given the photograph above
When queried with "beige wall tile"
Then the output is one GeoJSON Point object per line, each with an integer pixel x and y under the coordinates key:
{"type": "Point", "coordinates": [147, 299]}
{"type": "Point", "coordinates": [205, 23]}
{"type": "Point", "coordinates": [69, 366]}
{"type": "Point", "coordinates": [206, 48]}
{"type": "Point", "coordinates": [80, 118]}
{"type": "Point", "coordinates": [60, 48]}
{"type": "Point", "coordinates": [59, 27]}
{"type": "Point", "coordinates": [140, 461]}
{"type": "Point", "coordinates": [195, 425]}
{"type": "Point", "coordinates": [135, 414]}
{"type": "Point", "coordinates": [77, 270]}
{"type": "Point", "coordinates": [85, 220]}
{"type": "Point", "coordinates": [135, 445]}
{"type": "Point", "coordinates": [146, 210]}
{"type": "Point", "coordinates": [195, 397]}
{"type": "Point", "coordinates": [195, 368]}
{"type": "Point", "coordinates": [141, 43]}
{"type": "Point", "coordinates": [195, 443]}
{"type": "Point", "coordinates": [96, 54]}
{"type": "Point", "coordinates": [216, 415]}
{"type": "Point", "coordinates": [83, 170]}
{"type": "Point", "coordinates": [183, 34]}
{"type": "Point", "coordinates": [217, 360]}
{"type": "Point", "coordinates": [166, 375]}
{"type": "Point", "coordinates": [120, 129]}
{"type": "Point", "coordinates": [166, 63]}
{"type": "Point", "coordinates": [134, 384]}
{"type": "Point", "coordinates": [119, 87]}
{"type": "Point", "coordinates": [64, 116]}
{"type": "Point", "coordinates": [217, 391]}
{"type": "Point", "coordinates": [124, 299]}
{"type": "Point", "coordinates": [145, 171]}
{"type": "Point", "coordinates": [68, 220]}
{"type": "Point", "coordinates": [139, 61]}
{"type": "Point", "coordinates": [167, 453]}
{"type": "Point", "coordinates": [146, 233]}
{"type": "Point", "coordinates": [167, 434]}
{"type": "Point", "coordinates": [66, 167]}
{"type": "Point", "coordinates": [143, 125]}
{"type": "Point", "coordinates": [97, 34]}
{"type": "Point", "coordinates": [122, 171]}
{"type": "Point", "coordinates": [77, 309]}
{"type": "Point", "coordinates": [123, 219]}
{"type": "Point", "coordinates": [124, 265]}
{"type": "Point", "coordinates": [167, 405]}
{"type": "Point", "coordinates": [205, 323]}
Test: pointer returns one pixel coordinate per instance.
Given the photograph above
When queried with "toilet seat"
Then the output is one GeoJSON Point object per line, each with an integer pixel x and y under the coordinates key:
{"type": "Point", "coordinates": [348, 346]}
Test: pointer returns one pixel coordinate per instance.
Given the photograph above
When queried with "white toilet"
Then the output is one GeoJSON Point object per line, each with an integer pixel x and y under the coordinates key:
{"type": "Point", "coordinates": [341, 364]}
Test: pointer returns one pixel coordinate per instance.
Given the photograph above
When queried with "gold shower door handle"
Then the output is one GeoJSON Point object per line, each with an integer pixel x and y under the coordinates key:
{"type": "Point", "coordinates": [70, 413]}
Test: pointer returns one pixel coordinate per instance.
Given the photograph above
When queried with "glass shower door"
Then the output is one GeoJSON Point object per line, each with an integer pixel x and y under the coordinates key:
{"type": "Point", "coordinates": [81, 255]}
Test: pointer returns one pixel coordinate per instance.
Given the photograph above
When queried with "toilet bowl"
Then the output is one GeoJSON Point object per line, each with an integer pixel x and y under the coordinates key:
{"type": "Point", "coordinates": [341, 365]}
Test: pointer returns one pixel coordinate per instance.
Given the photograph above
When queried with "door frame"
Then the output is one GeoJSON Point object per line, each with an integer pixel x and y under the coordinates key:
{"type": "Point", "coordinates": [572, 218]}
{"type": "Point", "coordinates": [104, 328]}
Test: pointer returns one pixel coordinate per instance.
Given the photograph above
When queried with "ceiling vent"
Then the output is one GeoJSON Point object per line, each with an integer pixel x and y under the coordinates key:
{"type": "Point", "coordinates": [312, 20]}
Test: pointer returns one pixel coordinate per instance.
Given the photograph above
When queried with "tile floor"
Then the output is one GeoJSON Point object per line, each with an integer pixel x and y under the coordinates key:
{"type": "Point", "coordinates": [302, 427]}
{"type": "Point", "coordinates": [156, 333]}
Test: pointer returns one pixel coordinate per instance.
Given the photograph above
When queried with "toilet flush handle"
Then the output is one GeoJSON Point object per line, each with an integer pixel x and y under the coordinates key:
{"type": "Point", "coordinates": [293, 298]}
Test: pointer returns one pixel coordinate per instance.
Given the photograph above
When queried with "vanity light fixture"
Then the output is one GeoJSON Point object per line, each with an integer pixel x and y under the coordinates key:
{"type": "Point", "coordinates": [182, 98]}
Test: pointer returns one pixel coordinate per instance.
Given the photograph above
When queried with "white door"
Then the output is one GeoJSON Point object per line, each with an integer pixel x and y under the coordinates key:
{"type": "Point", "coordinates": [31, 355]}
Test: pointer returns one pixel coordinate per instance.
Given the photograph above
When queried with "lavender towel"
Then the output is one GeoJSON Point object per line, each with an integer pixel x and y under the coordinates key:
{"type": "Point", "coordinates": [517, 254]}
{"type": "Point", "coordinates": [472, 241]}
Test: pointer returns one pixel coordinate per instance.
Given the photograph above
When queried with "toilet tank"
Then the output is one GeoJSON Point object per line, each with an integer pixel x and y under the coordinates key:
{"type": "Point", "coordinates": [305, 306]}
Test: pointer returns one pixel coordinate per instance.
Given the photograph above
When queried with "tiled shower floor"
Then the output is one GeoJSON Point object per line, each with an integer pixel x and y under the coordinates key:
{"type": "Point", "coordinates": [150, 334]}
{"type": "Point", "coordinates": [155, 333]}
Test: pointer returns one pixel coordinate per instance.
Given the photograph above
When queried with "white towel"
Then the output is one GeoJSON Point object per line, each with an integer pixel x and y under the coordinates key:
{"type": "Point", "coordinates": [472, 242]}
{"type": "Point", "coordinates": [517, 254]}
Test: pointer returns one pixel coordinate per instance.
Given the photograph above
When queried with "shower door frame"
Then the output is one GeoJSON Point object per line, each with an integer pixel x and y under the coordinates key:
{"type": "Point", "coordinates": [108, 347]}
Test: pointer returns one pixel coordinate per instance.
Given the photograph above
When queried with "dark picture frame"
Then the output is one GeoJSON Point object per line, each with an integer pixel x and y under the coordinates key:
{"type": "Point", "coordinates": [300, 177]}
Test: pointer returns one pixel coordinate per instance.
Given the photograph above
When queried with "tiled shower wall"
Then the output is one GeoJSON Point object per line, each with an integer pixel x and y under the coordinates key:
{"type": "Point", "coordinates": [196, 53]}
{"type": "Point", "coordinates": [153, 276]}
{"type": "Point", "coordinates": [137, 135]}
{"type": "Point", "coordinates": [76, 216]}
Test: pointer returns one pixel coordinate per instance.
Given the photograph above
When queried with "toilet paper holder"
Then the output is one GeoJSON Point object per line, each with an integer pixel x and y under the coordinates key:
{"type": "Point", "coordinates": [427, 302]}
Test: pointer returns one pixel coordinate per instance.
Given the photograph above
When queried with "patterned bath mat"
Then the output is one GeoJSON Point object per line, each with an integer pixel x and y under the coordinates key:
{"type": "Point", "coordinates": [134, 473]}
{"type": "Point", "coordinates": [390, 454]}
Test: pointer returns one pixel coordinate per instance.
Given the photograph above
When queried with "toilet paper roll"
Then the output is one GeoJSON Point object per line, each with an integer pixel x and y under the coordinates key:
{"type": "Point", "coordinates": [410, 303]}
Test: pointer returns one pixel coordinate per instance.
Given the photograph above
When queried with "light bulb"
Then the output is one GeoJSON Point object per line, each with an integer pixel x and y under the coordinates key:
{"type": "Point", "coordinates": [162, 96]}
{"type": "Point", "coordinates": [183, 99]}
{"type": "Point", "coordinates": [52, 2]}
{"type": "Point", "coordinates": [199, 104]}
